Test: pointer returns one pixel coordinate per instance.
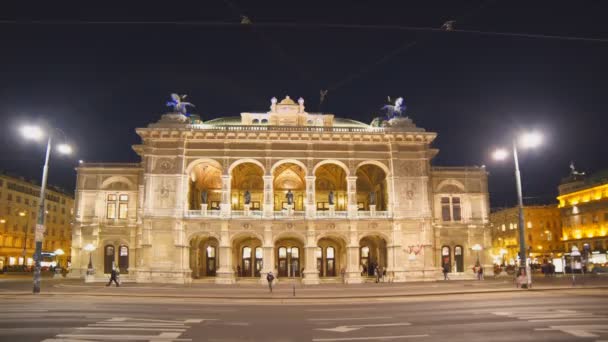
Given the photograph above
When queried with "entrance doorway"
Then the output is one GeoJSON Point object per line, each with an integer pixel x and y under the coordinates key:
{"type": "Point", "coordinates": [249, 257]}
{"type": "Point", "coordinates": [203, 256]}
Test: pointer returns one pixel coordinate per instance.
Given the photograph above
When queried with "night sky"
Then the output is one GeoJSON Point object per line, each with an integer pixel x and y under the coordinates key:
{"type": "Point", "coordinates": [99, 81]}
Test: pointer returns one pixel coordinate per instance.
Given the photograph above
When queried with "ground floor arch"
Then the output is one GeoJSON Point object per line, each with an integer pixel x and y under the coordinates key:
{"type": "Point", "coordinates": [247, 256]}
{"type": "Point", "coordinates": [204, 256]}
{"type": "Point", "coordinates": [290, 257]}
{"type": "Point", "coordinates": [115, 255]}
{"type": "Point", "coordinates": [372, 254]}
{"type": "Point", "coordinates": [330, 256]}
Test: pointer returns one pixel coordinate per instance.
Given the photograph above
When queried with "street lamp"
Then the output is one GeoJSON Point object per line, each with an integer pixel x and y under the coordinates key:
{"type": "Point", "coordinates": [477, 247]}
{"type": "Point", "coordinates": [90, 248]}
{"type": "Point", "coordinates": [503, 252]}
{"type": "Point", "coordinates": [37, 133]}
{"type": "Point", "coordinates": [25, 227]}
{"type": "Point", "coordinates": [526, 140]}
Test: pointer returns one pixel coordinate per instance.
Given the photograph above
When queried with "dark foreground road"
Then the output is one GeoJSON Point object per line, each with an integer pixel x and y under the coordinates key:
{"type": "Point", "coordinates": [568, 315]}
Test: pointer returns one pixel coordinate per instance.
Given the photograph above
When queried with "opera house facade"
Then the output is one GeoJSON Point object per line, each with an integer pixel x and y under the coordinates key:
{"type": "Point", "coordinates": [309, 196]}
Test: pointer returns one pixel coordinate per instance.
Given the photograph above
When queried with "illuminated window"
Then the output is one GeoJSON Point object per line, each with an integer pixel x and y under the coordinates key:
{"type": "Point", "coordinates": [529, 224]}
{"type": "Point", "coordinates": [123, 206]}
{"type": "Point", "coordinates": [450, 209]}
{"type": "Point", "coordinates": [503, 227]}
{"type": "Point", "coordinates": [111, 207]}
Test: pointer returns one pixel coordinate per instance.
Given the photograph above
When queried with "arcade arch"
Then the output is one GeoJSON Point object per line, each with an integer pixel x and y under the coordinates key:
{"type": "Point", "coordinates": [331, 178]}
{"type": "Point", "coordinates": [248, 255]}
{"type": "Point", "coordinates": [289, 256]}
{"type": "Point", "coordinates": [205, 182]}
{"type": "Point", "coordinates": [289, 177]}
{"type": "Point", "coordinates": [372, 254]}
{"type": "Point", "coordinates": [330, 256]}
{"type": "Point", "coordinates": [247, 177]}
{"type": "Point", "coordinates": [371, 187]}
{"type": "Point", "coordinates": [204, 256]}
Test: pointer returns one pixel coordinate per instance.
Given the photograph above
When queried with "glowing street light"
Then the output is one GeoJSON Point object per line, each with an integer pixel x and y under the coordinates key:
{"type": "Point", "coordinates": [526, 140]}
{"type": "Point", "coordinates": [90, 248]}
{"type": "Point", "coordinates": [36, 133]}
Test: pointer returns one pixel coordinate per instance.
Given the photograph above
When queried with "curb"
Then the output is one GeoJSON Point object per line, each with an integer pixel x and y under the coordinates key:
{"type": "Point", "coordinates": [276, 298]}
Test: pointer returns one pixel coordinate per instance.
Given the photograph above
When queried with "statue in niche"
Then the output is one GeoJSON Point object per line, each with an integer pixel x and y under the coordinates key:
{"type": "Point", "coordinates": [330, 197]}
{"type": "Point", "coordinates": [204, 196]}
{"type": "Point", "coordinates": [289, 197]}
{"type": "Point", "coordinates": [247, 197]}
{"type": "Point", "coordinates": [372, 198]}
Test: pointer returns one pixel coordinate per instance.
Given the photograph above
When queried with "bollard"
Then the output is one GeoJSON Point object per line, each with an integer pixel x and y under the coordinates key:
{"type": "Point", "coordinates": [294, 290]}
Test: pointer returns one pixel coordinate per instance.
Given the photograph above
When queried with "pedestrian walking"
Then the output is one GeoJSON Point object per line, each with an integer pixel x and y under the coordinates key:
{"type": "Point", "coordinates": [480, 273]}
{"type": "Point", "coordinates": [113, 276]}
{"type": "Point", "coordinates": [446, 269]}
{"type": "Point", "coordinates": [270, 278]}
{"type": "Point", "coordinates": [384, 274]}
{"type": "Point", "coordinates": [343, 273]}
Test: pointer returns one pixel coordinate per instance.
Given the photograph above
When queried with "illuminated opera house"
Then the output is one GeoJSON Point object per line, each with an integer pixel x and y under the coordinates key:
{"type": "Point", "coordinates": [308, 196]}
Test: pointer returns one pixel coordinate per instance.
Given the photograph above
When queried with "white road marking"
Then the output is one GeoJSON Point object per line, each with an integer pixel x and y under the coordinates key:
{"type": "Point", "coordinates": [578, 330]}
{"type": "Point", "coordinates": [169, 336]}
{"type": "Point", "coordinates": [569, 319]}
{"type": "Point", "coordinates": [329, 310]}
{"type": "Point", "coordinates": [347, 328]}
{"type": "Point", "coordinates": [366, 338]}
{"type": "Point", "coordinates": [133, 329]}
{"type": "Point", "coordinates": [347, 318]}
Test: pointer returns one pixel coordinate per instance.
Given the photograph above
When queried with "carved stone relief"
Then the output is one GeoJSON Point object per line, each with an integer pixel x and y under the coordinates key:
{"type": "Point", "coordinates": [165, 165]}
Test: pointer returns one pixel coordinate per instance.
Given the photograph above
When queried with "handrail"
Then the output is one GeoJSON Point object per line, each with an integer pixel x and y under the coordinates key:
{"type": "Point", "coordinates": [320, 129]}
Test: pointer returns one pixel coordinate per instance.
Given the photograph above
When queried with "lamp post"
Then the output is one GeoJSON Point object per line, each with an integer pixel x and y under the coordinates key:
{"type": "Point", "coordinates": [90, 248]}
{"type": "Point", "coordinates": [574, 253]}
{"type": "Point", "coordinates": [24, 253]}
{"type": "Point", "coordinates": [503, 252]}
{"type": "Point", "coordinates": [526, 140]}
{"type": "Point", "coordinates": [477, 247]}
{"type": "Point", "coordinates": [36, 133]}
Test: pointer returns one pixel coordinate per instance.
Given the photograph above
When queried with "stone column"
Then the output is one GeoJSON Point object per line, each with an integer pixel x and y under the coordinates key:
{"type": "Point", "coordinates": [311, 205]}
{"type": "Point", "coordinates": [311, 274]}
{"type": "Point", "coordinates": [268, 247]}
{"type": "Point", "coordinates": [225, 206]}
{"type": "Point", "coordinates": [351, 191]}
{"type": "Point", "coordinates": [392, 200]}
{"type": "Point", "coordinates": [268, 207]}
{"type": "Point", "coordinates": [395, 255]}
{"type": "Point", "coordinates": [225, 274]}
{"type": "Point", "coordinates": [353, 269]}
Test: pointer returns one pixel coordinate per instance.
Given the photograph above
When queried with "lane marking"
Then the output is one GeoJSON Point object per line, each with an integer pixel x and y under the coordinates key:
{"type": "Point", "coordinates": [133, 329]}
{"type": "Point", "coordinates": [169, 336]}
{"type": "Point", "coordinates": [348, 328]}
{"type": "Point", "coordinates": [367, 338]}
{"type": "Point", "coordinates": [347, 318]}
{"type": "Point", "coordinates": [569, 319]}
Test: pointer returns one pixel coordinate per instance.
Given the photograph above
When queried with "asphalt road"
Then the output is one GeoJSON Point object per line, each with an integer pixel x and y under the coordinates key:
{"type": "Point", "coordinates": [567, 315]}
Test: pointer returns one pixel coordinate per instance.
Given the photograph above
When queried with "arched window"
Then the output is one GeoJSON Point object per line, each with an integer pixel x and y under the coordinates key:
{"type": "Point", "coordinates": [459, 258]}
{"type": "Point", "coordinates": [330, 262]}
{"type": "Point", "coordinates": [295, 261]}
{"type": "Point", "coordinates": [259, 261]}
{"type": "Point", "coordinates": [319, 257]}
{"type": "Point", "coordinates": [309, 123]}
{"type": "Point", "coordinates": [108, 258]}
{"type": "Point", "coordinates": [364, 259]}
{"type": "Point", "coordinates": [255, 122]}
{"type": "Point", "coordinates": [264, 121]}
{"type": "Point", "coordinates": [210, 253]}
{"type": "Point", "coordinates": [123, 258]}
{"type": "Point", "coordinates": [246, 265]}
{"type": "Point", "coordinates": [446, 258]}
{"type": "Point", "coordinates": [282, 262]}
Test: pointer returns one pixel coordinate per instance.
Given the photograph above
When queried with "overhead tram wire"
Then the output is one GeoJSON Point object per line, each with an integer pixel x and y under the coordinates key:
{"type": "Point", "coordinates": [269, 25]}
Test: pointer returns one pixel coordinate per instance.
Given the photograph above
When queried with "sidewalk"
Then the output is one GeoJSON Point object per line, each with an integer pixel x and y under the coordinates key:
{"type": "Point", "coordinates": [285, 290]}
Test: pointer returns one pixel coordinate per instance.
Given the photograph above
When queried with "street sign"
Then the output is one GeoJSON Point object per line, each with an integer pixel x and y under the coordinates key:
{"type": "Point", "coordinates": [39, 232]}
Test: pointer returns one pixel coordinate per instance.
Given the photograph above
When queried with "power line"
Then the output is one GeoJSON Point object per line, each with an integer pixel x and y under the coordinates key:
{"type": "Point", "coordinates": [305, 26]}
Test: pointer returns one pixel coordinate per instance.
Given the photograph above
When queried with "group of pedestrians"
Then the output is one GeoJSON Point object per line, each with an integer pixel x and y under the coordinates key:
{"type": "Point", "coordinates": [477, 270]}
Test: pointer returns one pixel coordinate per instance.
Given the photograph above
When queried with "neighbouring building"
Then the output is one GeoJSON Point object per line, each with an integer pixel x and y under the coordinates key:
{"type": "Point", "coordinates": [304, 195]}
{"type": "Point", "coordinates": [543, 233]}
{"type": "Point", "coordinates": [18, 215]}
{"type": "Point", "coordinates": [583, 204]}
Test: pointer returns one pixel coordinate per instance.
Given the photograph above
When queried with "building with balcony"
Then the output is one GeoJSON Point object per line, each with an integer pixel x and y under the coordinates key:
{"type": "Point", "coordinates": [307, 196]}
{"type": "Point", "coordinates": [583, 205]}
{"type": "Point", "coordinates": [543, 233]}
{"type": "Point", "coordinates": [18, 217]}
